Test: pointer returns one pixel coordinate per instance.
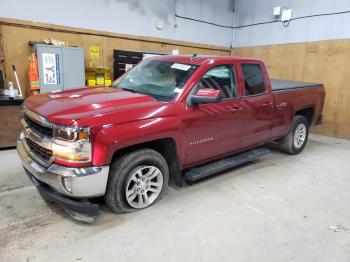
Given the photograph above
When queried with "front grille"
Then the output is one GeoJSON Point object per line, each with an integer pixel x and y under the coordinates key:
{"type": "Point", "coordinates": [38, 127]}
{"type": "Point", "coordinates": [40, 152]}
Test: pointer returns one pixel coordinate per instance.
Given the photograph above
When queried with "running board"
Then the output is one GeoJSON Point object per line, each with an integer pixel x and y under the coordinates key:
{"type": "Point", "coordinates": [224, 164]}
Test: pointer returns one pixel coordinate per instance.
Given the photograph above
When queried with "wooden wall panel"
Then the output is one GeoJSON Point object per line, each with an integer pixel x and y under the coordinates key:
{"type": "Point", "coordinates": [17, 33]}
{"type": "Point", "coordinates": [10, 126]}
{"type": "Point", "coordinates": [326, 62]}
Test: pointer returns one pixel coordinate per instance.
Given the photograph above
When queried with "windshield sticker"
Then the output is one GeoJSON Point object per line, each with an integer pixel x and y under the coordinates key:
{"type": "Point", "coordinates": [55, 96]}
{"type": "Point", "coordinates": [181, 66]}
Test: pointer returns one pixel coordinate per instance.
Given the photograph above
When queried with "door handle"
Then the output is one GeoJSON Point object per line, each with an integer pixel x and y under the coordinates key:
{"type": "Point", "coordinates": [282, 105]}
{"type": "Point", "coordinates": [236, 109]}
{"type": "Point", "coordinates": [268, 103]}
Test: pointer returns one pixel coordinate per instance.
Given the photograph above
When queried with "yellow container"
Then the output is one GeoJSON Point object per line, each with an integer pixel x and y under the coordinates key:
{"type": "Point", "coordinates": [108, 82]}
{"type": "Point", "coordinates": [91, 82]}
{"type": "Point", "coordinates": [102, 76]}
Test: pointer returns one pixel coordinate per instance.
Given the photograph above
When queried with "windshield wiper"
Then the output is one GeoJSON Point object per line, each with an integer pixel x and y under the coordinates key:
{"type": "Point", "coordinates": [163, 97]}
{"type": "Point", "coordinates": [156, 96]}
{"type": "Point", "coordinates": [128, 89]}
{"type": "Point", "coordinates": [136, 91]}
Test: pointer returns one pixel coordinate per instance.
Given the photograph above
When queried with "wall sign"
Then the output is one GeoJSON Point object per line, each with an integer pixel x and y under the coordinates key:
{"type": "Point", "coordinates": [94, 52]}
{"type": "Point", "coordinates": [51, 69]}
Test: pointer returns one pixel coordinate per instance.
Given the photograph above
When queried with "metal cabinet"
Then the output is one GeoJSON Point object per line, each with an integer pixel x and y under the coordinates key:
{"type": "Point", "coordinates": [60, 68]}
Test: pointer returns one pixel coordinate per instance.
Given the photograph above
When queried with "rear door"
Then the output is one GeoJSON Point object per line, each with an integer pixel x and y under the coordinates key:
{"type": "Point", "coordinates": [258, 104]}
{"type": "Point", "coordinates": [214, 129]}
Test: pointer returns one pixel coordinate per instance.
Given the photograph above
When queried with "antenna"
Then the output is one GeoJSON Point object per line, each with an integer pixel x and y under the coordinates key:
{"type": "Point", "coordinates": [194, 56]}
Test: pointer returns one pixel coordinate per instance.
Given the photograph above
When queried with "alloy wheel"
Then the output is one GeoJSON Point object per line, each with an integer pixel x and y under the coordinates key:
{"type": "Point", "coordinates": [143, 186]}
{"type": "Point", "coordinates": [299, 135]}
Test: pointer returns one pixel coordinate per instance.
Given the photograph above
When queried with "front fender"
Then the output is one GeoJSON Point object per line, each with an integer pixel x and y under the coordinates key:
{"type": "Point", "coordinates": [110, 138]}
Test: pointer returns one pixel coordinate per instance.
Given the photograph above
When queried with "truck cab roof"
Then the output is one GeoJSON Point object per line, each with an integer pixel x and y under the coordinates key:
{"type": "Point", "coordinates": [202, 59]}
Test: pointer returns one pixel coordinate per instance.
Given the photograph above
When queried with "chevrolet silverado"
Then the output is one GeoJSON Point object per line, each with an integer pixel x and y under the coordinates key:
{"type": "Point", "coordinates": [169, 119]}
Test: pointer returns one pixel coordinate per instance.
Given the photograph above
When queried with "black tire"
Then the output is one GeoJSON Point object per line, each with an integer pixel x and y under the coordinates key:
{"type": "Point", "coordinates": [287, 144]}
{"type": "Point", "coordinates": [121, 168]}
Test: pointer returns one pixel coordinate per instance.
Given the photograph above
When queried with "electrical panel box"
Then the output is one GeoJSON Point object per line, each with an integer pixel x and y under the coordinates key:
{"type": "Point", "coordinates": [60, 68]}
{"type": "Point", "coordinates": [277, 11]}
{"type": "Point", "coordinates": [286, 15]}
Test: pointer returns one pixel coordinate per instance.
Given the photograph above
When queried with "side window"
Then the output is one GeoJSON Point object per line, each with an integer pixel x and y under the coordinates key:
{"type": "Point", "coordinates": [220, 78]}
{"type": "Point", "coordinates": [253, 79]}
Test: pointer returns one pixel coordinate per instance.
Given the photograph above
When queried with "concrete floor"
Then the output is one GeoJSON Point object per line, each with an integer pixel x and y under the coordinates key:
{"type": "Point", "coordinates": [280, 208]}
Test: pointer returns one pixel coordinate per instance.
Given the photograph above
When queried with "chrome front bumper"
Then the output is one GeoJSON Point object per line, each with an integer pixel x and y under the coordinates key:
{"type": "Point", "coordinates": [84, 182]}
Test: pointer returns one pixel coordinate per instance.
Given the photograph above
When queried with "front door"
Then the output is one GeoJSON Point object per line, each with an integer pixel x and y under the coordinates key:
{"type": "Point", "coordinates": [214, 129]}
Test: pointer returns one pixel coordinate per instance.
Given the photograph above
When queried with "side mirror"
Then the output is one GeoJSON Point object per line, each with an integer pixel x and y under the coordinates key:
{"type": "Point", "coordinates": [205, 96]}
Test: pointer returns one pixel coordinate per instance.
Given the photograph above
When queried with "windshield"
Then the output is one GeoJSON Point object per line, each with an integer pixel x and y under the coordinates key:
{"type": "Point", "coordinates": [162, 80]}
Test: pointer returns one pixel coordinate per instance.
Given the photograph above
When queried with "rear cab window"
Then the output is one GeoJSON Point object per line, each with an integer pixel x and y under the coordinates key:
{"type": "Point", "coordinates": [253, 77]}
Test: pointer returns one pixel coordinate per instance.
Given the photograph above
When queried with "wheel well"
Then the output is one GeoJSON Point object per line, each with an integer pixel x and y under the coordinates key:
{"type": "Point", "coordinates": [167, 148]}
{"type": "Point", "coordinates": [308, 113]}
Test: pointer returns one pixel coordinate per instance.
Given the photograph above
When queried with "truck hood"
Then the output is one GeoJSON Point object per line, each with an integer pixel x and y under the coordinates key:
{"type": "Point", "coordinates": [67, 106]}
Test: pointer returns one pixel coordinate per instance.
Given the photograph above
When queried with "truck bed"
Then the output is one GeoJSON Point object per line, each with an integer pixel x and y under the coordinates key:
{"type": "Point", "coordinates": [280, 85]}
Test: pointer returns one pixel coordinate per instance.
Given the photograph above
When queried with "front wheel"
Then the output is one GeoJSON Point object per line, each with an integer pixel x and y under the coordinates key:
{"type": "Point", "coordinates": [136, 181]}
{"type": "Point", "coordinates": [294, 142]}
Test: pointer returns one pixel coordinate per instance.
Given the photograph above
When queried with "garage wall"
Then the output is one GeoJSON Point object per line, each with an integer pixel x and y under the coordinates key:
{"type": "Point", "coordinates": [16, 34]}
{"type": "Point", "coordinates": [315, 49]}
{"type": "Point", "coordinates": [135, 17]}
{"type": "Point", "coordinates": [270, 31]}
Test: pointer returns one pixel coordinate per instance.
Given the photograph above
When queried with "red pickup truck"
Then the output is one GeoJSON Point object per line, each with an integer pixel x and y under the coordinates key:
{"type": "Point", "coordinates": [169, 119]}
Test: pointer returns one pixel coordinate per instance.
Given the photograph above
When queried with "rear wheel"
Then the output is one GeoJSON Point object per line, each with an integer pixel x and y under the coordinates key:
{"type": "Point", "coordinates": [136, 181]}
{"type": "Point", "coordinates": [294, 142]}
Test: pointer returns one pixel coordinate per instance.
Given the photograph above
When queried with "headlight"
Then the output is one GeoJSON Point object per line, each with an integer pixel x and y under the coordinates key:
{"type": "Point", "coordinates": [71, 133]}
{"type": "Point", "coordinates": [72, 144]}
